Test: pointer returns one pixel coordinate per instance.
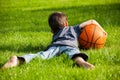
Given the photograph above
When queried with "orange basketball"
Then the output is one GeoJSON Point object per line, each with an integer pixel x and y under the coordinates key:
{"type": "Point", "coordinates": [92, 36]}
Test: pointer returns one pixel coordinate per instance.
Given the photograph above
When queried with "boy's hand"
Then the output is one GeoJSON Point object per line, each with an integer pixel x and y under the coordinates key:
{"type": "Point", "coordinates": [82, 25]}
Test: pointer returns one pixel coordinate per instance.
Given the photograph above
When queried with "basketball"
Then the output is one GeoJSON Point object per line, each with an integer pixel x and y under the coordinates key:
{"type": "Point", "coordinates": [92, 36]}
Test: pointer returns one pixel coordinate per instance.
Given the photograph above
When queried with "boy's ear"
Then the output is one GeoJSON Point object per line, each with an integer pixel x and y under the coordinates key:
{"type": "Point", "coordinates": [66, 24]}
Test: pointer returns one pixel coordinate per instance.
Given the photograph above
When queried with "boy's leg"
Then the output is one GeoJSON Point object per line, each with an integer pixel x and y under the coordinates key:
{"type": "Point", "coordinates": [50, 52]}
{"type": "Point", "coordinates": [16, 60]}
{"type": "Point", "coordinates": [27, 57]}
{"type": "Point", "coordinates": [79, 58]}
{"type": "Point", "coordinates": [12, 62]}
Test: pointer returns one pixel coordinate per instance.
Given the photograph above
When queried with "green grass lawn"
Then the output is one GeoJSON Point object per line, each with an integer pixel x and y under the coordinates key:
{"type": "Point", "coordinates": [24, 29]}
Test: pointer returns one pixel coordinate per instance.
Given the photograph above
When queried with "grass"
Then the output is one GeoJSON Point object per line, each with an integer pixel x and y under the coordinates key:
{"type": "Point", "coordinates": [24, 29]}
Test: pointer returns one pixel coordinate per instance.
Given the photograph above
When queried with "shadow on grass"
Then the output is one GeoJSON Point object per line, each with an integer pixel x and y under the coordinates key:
{"type": "Point", "coordinates": [105, 14]}
{"type": "Point", "coordinates": [1, 64]}
{"type": "Point", "coordinates": [25, 49]}
{"type": "Point", "coordinates": [35, 20]}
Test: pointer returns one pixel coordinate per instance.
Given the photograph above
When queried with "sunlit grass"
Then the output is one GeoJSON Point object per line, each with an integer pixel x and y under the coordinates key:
{"type": "Point", "coordinates": [24, 29]}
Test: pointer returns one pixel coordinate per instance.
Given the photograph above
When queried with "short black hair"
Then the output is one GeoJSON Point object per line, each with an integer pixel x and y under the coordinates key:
{"type": "Point", "coordinates": [56, 21]}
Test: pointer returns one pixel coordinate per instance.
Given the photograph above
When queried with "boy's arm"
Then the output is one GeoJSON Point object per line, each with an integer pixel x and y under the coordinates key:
{"type": "Point", "coordinates": [82, 25]}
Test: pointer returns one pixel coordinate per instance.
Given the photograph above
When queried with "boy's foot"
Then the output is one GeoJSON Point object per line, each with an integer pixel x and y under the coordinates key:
{"type": "Point", "coordinates": [88, 65]}
{"type": "Point", "coordinates": [12, 62]}
{"type": "Point", "coordinates": [81, 62]}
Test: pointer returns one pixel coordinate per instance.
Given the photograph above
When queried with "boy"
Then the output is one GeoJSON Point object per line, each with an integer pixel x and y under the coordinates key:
{"type": "Point", "coordinates": [65, 40]}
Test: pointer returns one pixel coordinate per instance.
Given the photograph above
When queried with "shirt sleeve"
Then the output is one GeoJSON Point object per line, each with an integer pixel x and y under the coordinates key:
{"type": "Point", "coordinates": [77, 29]}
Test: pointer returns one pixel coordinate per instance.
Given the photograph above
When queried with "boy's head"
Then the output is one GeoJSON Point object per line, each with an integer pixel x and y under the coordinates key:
{"type": "Point", "coordinates": [57, 21]}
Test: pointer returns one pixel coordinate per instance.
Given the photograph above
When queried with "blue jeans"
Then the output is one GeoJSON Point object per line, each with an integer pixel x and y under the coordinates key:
{"type": "Point", "coordinates": [51, 52]}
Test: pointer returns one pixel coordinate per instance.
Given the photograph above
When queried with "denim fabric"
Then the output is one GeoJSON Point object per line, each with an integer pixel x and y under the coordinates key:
{"type": "Point", "coordinates": [51, 52]}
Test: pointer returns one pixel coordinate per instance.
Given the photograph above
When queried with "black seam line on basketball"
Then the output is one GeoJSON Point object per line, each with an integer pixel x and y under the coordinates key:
{"type": "Point", "coordinates": [83, 39]}
{"type": "Point", "coordinates": [93, 35]}
{"type": "Point", "coordinates": [91, 42]}
{"type": "Point", "coordinates": [87, 38]}
{"type": "Point", "coordinates": [96, 41]}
